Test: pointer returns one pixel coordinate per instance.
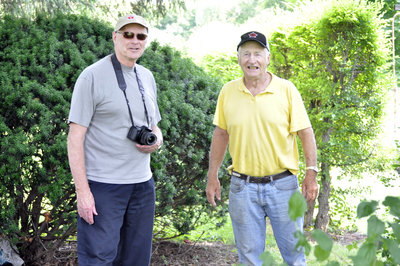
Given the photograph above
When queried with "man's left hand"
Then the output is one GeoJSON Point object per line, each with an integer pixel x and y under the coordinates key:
{"type": "Point", "coordinates": [310, 186]}
{"type": "Point", "coordinates": [148, 148]}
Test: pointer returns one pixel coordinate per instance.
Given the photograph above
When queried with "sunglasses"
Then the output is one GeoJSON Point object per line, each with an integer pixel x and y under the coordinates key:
{"type": "Point", "coordinates": [131, 35]}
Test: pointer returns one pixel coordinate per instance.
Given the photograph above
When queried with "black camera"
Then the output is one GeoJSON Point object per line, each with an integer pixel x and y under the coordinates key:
{"type": "Point", "coordinates": [142, 135]}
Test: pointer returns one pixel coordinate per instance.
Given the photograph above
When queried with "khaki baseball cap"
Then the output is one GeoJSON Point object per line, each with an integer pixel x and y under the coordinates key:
{"type": "Point", "coordinates": [131, 19]}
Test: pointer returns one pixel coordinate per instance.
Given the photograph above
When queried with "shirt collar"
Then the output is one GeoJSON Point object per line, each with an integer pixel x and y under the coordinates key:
{"type": "Point", "coordinates": [270, 88]}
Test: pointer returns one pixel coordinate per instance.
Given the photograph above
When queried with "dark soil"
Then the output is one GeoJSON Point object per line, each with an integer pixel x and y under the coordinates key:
{"type": "Point", "coordinates": [190, 253]}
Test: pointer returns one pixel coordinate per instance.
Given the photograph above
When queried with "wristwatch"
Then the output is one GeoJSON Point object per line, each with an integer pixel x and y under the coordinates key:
{"type": "Point", "coordinates": [314, 168]}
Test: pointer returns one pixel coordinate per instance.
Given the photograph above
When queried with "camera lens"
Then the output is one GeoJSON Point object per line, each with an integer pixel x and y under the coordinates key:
{"type": "Point", "coordinates": [148, 138]}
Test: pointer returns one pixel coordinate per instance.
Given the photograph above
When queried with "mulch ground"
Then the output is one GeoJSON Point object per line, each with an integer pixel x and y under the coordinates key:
{"type": "Point", "coordinates": [190, 253]}
{"type": "Point", "coordinates": [204, 253]}
{"type": "Point", "coordinates": [169, 253]}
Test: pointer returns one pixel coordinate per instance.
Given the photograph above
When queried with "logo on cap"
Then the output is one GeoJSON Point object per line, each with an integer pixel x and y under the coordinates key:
{"type": "Point", "coordinates": [253, 35]}
{"type": "Point", "coordinates": [131, 17]}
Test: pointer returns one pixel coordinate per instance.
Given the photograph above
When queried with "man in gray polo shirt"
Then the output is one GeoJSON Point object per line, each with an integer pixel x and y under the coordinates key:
{"type": "Point", "coordinates": [112, 175]}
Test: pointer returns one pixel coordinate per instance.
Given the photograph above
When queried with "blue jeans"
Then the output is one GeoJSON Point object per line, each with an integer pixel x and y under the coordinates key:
{"type": "Point", "coordinates": [122, 232]}
{"type": "Point", "coordinates": [250, 204]}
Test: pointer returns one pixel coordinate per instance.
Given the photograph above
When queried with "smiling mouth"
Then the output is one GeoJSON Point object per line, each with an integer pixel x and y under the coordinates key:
{"type": "Point", "coordinates": [253, 67]}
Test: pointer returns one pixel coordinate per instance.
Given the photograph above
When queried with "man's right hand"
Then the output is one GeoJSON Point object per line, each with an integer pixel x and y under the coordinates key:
{"type": "Point", "coordinates": [213, 189]}
{"type": "Point", "coordinates": [217, 153]}
{"type": "Point", "coordinates": [86, 207]}
{"type": "Point", "coordinates": [76, 157]}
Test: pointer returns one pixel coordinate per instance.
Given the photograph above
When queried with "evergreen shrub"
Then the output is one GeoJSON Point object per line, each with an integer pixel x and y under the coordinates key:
{"type": "Point", "coordinates": [337, 58]}
{"type": "Point", "coordinates": [39, 63]}
{"type": "Point", "coordinates": [187, 97]}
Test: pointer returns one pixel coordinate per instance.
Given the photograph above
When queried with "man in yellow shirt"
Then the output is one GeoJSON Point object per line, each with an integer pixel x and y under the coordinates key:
{"type": "Point", "coordinates": [259, 116]}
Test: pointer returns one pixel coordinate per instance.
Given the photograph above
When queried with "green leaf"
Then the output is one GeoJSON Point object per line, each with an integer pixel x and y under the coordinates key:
{"type": "Point", "coordinates": [378, 263]}
{"type": "Point", "coordinates": [267, 258]}
{"type": "Point", "coordinates": [394, 204]}
{"type": "Point", "coordinates": [321, 254]}
{"type": "Point", "coordinates": [393, 248]}
{"type": "Point", "coordinates": [297, 205]}
{"type": "Point", "coordinates": [302, 242]}
{"type": "Point", "coordinates": [365, 255]}
{"type": "Point", "coordinates": [375, 227]}
{"type": "Point", "coordinates": [324, 247]}
{"type": "Point", "coordinates": [322, 239]}
{"type": "Point", "coordinates": [396, 231]}
{"type": "Point", "coordinates": [366, 208]}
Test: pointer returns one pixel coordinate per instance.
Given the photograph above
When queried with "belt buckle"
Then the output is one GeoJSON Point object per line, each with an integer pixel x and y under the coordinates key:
{"type": "Point", "coordinates": [267, 179]}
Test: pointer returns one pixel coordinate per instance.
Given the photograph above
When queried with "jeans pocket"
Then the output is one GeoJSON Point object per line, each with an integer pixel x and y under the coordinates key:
{"type": "Point", "coordinates": [287, 183]}
{"type": "Point", "coordinates": [237, 184]}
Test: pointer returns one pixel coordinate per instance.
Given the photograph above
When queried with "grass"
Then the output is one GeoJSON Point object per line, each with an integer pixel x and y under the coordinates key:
{"type": "Point", "coordinates": [208, 232]}
{"type": "Point", "coordinates": [339, 252]}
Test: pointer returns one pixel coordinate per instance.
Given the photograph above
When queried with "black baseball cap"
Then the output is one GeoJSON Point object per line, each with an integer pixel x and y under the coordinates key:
{"type": "Point", "coordinates": [254, 36]}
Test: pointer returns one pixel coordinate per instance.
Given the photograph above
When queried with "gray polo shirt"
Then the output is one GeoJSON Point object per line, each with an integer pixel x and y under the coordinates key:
{"type": "Point", "coordinates": [99, 104]}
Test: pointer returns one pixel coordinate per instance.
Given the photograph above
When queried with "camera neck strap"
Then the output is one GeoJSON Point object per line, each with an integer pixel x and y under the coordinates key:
{"type": "Point", "coordinates": [122, 86]}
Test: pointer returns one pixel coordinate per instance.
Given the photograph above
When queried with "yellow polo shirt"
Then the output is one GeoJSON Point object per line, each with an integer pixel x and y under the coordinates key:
{"type": "Point", "coordinates": [262, 128]}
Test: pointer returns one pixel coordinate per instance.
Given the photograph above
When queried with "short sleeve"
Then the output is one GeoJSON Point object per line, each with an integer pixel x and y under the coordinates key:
{"type": "Point", "coordinates": [82, 103]}
{"type": "Point", "coordinates": [219, 116]}
{"type": "Point", "coordinates": [298, 114]}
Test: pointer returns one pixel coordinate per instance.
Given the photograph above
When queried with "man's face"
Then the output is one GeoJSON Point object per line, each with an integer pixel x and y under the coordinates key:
{"type": "Point", "coordinates": [128, 51]}
{"type": "Point", "coordinates": [253, 59]}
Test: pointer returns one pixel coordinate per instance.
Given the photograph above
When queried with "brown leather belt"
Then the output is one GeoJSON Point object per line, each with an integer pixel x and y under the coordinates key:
{"type": "Point", "coordinates": [262, 179]}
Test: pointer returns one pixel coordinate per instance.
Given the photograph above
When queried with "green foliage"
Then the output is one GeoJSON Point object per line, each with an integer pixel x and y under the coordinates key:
{"type": "Point", "coordinates": [324, 245]}
{"type": "Point", "coordinates": [342, 208]}
{"type": "Point", "coordinates": [383, 237]}
{"type": "Point", "coordinates": [223, 66]}
{"type": "Point", "coordinates": [337, 58]}
{"type": "Point", "coordinates": [243, 11]}
{"type": "Point", "coordinates": [152, 10]}
{"type": "Point", "coordinates": [396, 164]}
{"type": "Point", "coordinates": [389, 12]}
{"type": "Point", "coordinates": [366, 208]}
{"type": "Point", "coordinates": [187, 98]}
{"type": "Point", "coordinates": [381, 247]}
{"type": "Point", "coordinates": [297, 206]}
{"type": "Point", "coordinates": [182, 24]}
{"type": "Point", "coordinates": [32, 8]}
{"type": "Point", "coordinates": [39, 63]}
{"type": "Point", "coordinates": [156, 9]}
{"type": "Point", "coordinates": [337, 61]}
